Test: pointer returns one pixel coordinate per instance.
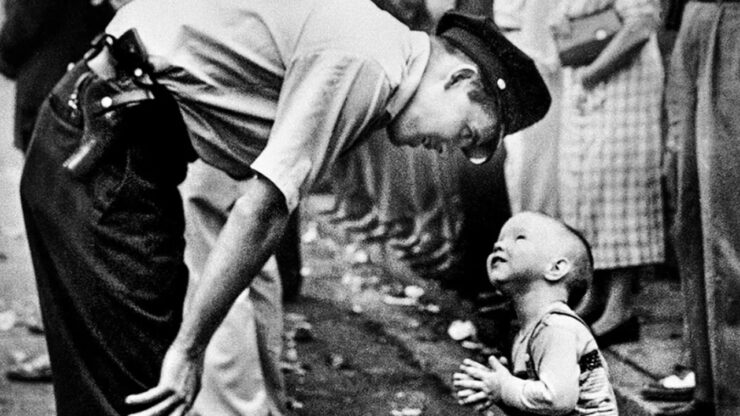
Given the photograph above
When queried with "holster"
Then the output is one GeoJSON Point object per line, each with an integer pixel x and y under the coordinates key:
{"type": "Point", "coordinates": [104, 104]}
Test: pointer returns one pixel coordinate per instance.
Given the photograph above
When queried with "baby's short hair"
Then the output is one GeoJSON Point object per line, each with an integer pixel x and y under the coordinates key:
{"type": "Point", "coordinates": [579, 278]}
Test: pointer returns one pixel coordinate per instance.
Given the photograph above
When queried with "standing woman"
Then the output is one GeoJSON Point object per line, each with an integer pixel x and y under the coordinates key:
{"type": "Point", "coordinates": [610, 159]}
{"type": "Point", "coordinates": [532, 154]}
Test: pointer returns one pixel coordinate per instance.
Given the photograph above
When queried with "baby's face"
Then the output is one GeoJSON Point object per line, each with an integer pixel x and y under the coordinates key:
{"type": "Point", "coordinates": [523, 248]}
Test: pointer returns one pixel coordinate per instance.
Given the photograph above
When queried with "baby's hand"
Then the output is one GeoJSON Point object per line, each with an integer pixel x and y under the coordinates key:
{"type": "Point", "coordinates": [472, 384]}
{"type": "Point", "coordinates": [480, 384]}
{"type": "Point", "coordinates": [458, 380]}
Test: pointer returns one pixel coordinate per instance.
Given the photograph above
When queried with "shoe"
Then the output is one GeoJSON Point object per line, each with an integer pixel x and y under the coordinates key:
{"type": "Point", "coordinates": [627, 331]}
{"type": "Point", "coordinates": [673, 388]}
{"type": "Point", "coordinates": [34, 370]}
{"type": "Point", "coordinates": [659, 393]}
{"type": "Point", "coordinates": [692, 408]}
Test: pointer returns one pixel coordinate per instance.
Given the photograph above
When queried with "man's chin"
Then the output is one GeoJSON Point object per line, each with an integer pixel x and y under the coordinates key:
{"type": "Point", "coordinates": [400, 140]}
{"type": "Point", "coordinates": [394, 140]}
{"type": "Point", "coordinates": [393, 136]}
{"type": "Point", "coordinates": [398, 135]}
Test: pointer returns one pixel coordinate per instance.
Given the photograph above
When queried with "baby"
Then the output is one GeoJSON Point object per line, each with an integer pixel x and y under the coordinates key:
{"type": "Point", "coordinates": [557, 367]}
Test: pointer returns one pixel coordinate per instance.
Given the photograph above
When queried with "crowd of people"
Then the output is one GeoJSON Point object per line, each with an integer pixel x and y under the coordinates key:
{"type": "Point", "coordinates": [172, 148]}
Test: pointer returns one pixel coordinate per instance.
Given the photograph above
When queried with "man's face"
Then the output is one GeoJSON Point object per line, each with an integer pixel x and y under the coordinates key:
{"type": "Point", "coordinates": [440, 117]}
{"type": "Point", "coordinates": [524, 248]}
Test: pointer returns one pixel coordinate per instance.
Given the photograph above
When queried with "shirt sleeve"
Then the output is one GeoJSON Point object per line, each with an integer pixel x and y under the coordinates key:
{"type": "Point", "coordinates": [555, 357]}
{"type": "Point", "coordinates": [326, 101]}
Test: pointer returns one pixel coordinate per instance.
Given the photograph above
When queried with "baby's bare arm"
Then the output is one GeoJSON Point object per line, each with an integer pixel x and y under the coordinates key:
{"type": "Point", "coordinates": [555, 358]}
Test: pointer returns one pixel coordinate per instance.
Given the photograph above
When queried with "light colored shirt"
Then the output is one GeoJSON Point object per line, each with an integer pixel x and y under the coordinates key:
{"type": "Point", "coordinates": [557, 364]}
{"type": "Point", "coordinates": [278, 87]}
{"type": "Point", "coordinates": [508, 14]}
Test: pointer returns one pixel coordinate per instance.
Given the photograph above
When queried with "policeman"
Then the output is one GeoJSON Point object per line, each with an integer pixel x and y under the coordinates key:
{"type": "Point", "coordinates": [269, 91]}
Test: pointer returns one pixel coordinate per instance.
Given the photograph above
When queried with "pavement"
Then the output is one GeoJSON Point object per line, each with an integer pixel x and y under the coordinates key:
{"type": "Point", "coordinates": [367, 355]}
{"type": "Point", "coordinates": [18, 298]}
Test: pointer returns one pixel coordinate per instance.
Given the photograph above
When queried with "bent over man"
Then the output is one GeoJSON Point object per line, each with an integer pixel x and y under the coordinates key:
{"type": "Point", "coordinates": [271, 91]}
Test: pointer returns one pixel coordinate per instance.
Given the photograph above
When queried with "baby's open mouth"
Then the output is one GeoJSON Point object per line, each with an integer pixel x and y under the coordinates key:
{"type": "Point", "coordinates": [498, 259]}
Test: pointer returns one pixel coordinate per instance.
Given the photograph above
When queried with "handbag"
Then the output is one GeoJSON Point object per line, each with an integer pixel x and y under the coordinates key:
{"type": "Point", "coordinates": [588, 36]}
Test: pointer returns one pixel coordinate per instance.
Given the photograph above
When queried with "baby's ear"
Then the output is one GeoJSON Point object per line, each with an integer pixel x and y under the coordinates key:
{"type": "Point", "coordinates": [558, 269]}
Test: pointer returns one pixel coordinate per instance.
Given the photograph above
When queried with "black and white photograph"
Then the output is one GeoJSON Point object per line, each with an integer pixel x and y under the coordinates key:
{"type": "Point", "coordinates": [369, 207]}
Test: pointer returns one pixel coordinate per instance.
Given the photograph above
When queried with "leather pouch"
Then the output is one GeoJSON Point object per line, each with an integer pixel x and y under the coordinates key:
{"type": "Point", "coordinates": [588, 36]}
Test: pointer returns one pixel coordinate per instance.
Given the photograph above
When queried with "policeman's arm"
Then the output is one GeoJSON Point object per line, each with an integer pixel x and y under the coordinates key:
{"type": "Point", "coordinates": [249, 237]}
{"type": "Point", "coordinates": [314, 121]}
{"type": "Point", "coordinates": [247, 240]}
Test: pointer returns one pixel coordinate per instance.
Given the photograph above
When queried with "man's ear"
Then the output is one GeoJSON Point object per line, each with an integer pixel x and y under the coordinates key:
{"type": "Point", "coordinates": [558, 269]}
{"type": "Point", "coordinates": [460, 73]}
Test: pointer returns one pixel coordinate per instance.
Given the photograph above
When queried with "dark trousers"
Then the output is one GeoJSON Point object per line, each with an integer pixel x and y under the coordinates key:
{"type": "Point", "coordinates": [107, 251]}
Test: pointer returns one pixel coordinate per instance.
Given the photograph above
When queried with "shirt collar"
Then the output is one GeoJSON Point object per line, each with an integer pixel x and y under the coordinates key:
{"type": "Point", "coordinates": [416, 64]}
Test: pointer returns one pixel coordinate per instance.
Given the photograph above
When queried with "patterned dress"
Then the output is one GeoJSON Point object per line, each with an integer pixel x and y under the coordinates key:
{"type": "Point", "coordinates": [610, 150]}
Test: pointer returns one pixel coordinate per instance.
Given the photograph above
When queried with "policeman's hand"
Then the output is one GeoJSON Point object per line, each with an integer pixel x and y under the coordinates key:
{"type": "Point", "coordinates": [179, 383]}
